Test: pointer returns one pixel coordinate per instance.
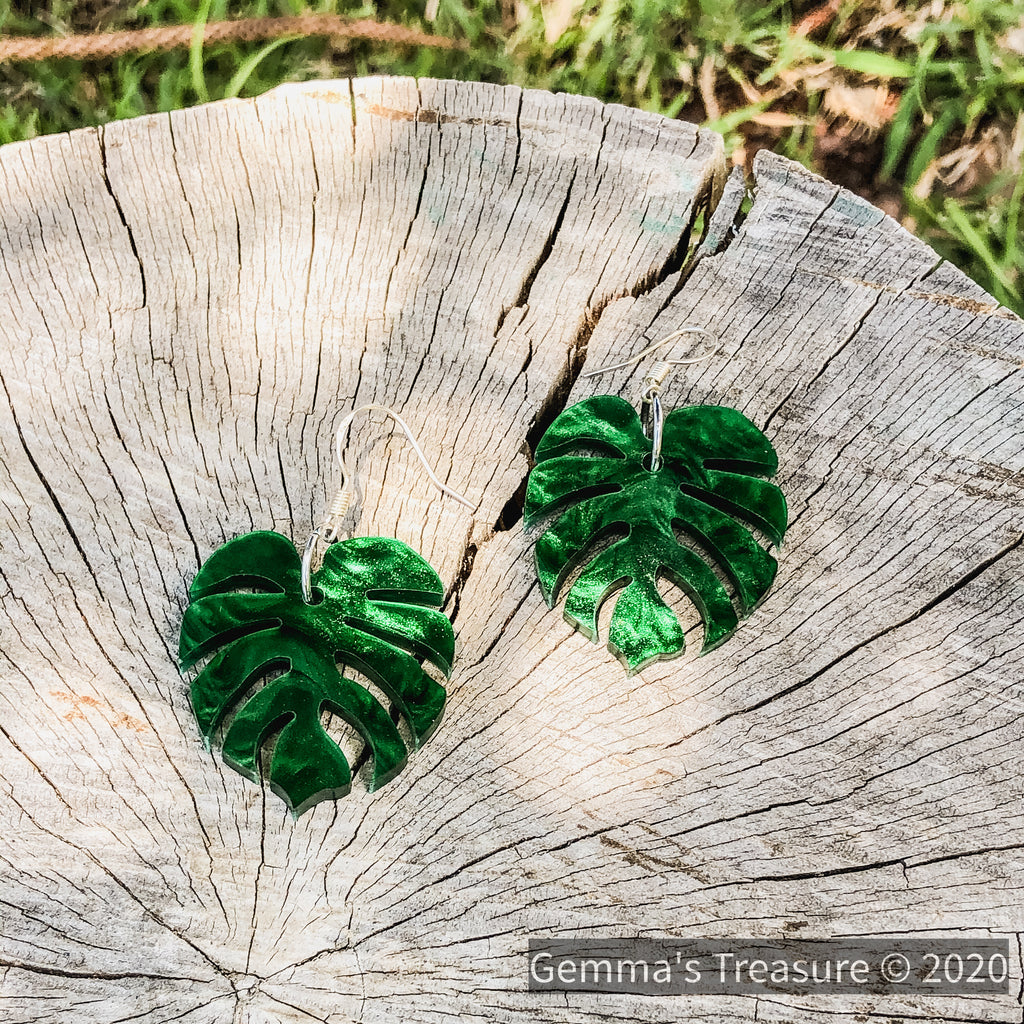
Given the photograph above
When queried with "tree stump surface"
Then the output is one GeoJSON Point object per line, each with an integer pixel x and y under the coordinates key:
{"type": "Point", "coordinates": [192, 302]}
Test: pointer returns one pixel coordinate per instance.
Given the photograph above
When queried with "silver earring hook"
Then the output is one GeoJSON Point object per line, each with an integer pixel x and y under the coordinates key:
{"type": "Point", "coordinates": [650, 394]}
{"type": "Point", "coordinates": [667, 362]}
{"type": "Point", "coordinates": [345, 495]}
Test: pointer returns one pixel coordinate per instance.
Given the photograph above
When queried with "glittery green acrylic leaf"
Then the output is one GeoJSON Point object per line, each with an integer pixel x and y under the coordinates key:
{"type": "Point", "coordinates": [711, 483]}
{"type": "Point", "coordinates": [373, 610]}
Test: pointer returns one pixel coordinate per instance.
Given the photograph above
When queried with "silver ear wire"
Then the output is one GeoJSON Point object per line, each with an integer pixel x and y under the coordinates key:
{"type": "Point", "coordinates": [345, 495]}
{"type": "Point", "coordinates": [650, 394]}
{"type": "Point", "coordinates": [665, 366]}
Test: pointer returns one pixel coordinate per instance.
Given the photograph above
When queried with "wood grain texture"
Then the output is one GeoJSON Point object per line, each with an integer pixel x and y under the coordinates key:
{"type": "Point", "coordinates": [190, 303]}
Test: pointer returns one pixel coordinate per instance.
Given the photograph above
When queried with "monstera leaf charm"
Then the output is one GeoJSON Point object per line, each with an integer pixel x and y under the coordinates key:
{"type": "Point", "coordinates": [372, 609]}
{"type": "Point", "coordinates": [710, 487]}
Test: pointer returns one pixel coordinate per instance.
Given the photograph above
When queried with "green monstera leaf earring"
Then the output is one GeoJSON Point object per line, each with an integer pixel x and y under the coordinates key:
{"type": "Point", "coordinates": [267, 618]}
{"type": "Point", "coordinates": [699, 473]}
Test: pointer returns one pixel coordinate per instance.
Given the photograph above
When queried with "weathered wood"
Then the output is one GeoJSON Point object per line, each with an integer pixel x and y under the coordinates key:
{"type": "Point", "coordinates": [192, 301]}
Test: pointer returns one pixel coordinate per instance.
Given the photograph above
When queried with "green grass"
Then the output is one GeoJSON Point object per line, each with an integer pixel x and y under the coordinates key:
{"type": "Point", "coordinates": [918, 106]}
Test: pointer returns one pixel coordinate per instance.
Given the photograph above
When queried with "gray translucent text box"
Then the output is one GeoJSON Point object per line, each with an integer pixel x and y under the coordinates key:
{"type": "Point", "coordinates": [901, 964]}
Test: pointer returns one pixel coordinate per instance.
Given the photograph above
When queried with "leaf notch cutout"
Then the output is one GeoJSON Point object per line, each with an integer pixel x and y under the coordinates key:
{"type": "Point", "coordinates": [374, 610]}
{"type": "Point", "coordinates": [712, 486]}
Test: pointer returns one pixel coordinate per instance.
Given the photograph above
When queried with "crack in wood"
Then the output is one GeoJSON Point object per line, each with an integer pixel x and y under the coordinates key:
{"type": "Point", "coordinates": [101, 137]}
